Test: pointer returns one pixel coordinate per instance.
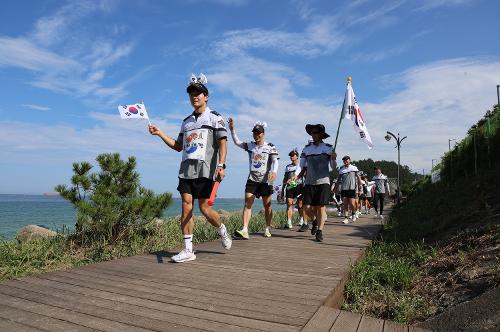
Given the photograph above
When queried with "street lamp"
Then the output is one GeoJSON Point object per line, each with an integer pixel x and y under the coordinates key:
{"type": "Point", "coordinates": [451, 156]}
{"type": "Point", "coordinates": [398, 145]}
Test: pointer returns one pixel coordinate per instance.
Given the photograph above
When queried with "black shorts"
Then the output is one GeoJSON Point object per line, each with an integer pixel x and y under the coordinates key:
{"type": "Point", "coordinates": [294, 192]}
{"type": "Point", "coordinates": [259, 189]}
{"type": "Point", "coordinates": [198, 188]}
{"type": "Point", "coordinates": [316, 195]}
{"type": "Point", "coordinates": [362, 196]}
{"type": "Point", "coordinates": [348, 193]}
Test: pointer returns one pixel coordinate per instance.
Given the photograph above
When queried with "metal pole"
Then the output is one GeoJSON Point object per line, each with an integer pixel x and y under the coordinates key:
{"type": "Point", "coordinates": [475, 153]}
{"type": "Point", "coordinates": [498, 94]}
{"type": "Point", "coordinates": [399, 188]}
{"type": "Point", "coordinates": [349, 79]}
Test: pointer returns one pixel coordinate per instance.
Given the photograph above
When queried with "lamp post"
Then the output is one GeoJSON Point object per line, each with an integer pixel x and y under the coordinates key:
{"type": "Point", "coordinates": [498, 94]}
{"type": "Point", "coordinates": [398, 145]}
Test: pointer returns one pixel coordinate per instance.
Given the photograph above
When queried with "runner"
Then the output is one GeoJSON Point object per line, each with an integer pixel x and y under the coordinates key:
{"type": "Point", "coordinates": [202, 139]}
{"type": "Point", "coordinates": [263, 158]}
{"type": "Point", "coordinates": [293, 190]}
{"type": "Point", "coordinates": [369, 187]}
{"type": "Point", "coordinates": [314, 160]}
{"type": "Point", "coordinates": [381, 189]}
{"type": "Point", "coordinates": [350, 182]}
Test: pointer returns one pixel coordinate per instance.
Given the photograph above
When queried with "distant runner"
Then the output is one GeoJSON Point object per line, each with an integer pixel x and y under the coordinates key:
{"type": "Point", "coordinates": [381, 189]}
{"type": "Point", "coordinates": [293, 189]}
{"type": "Point", "coordinates": [263, 159]}
{"type": "Point", "coordinates": [202, 139]}
{"type": "Point", "coordinates": [350, 183]}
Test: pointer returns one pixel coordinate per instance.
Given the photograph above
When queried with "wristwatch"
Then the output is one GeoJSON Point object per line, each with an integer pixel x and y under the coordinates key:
{"type": "Point", "coordinates": [222, 165]}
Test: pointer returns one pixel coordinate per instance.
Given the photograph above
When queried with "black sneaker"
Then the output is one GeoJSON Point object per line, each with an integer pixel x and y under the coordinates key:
{"type": "Point", "coordinates": [303, 228]}
{"type": "Point", "coordinates": [319, 235]}
{"type": "Point", "coordinates": [314, 228]}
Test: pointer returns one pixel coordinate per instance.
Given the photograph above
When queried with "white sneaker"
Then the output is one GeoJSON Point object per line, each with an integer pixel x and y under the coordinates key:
{"type": "Point", "coordinates": [377, 215]}
{"type": "Point", "coordinates": [381, 216]}
{"type": "Point", "coordinates": [267, 233]}
{"type": "Point", "coordinates": [242, 234]}
{"type": "Point", "coordinates": [184, 256]}
{"type": "Point", "coordinates": [226, 241]}
{"type": "Point", "coordinates": [354, 218]}
{"type": "Point", "coordinates": [345, 221]}
{"type": "Point", "coordinates": [290, 226]}
{"type": "Point", "coordinates": [340, 214]}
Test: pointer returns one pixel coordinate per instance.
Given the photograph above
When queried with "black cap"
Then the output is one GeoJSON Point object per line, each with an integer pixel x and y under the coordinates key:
{"type": "Point", "coordinates": [258, 128]}
{"type": "Point", "coordinates": [346, 157]}
{"type": "Point", "coordinates": [197, 87]}
{"type": "Point", "coordinates": [293, 152]}
{"type": "Point", "coordinates": [320, 127]}
{"type": "Point", "coordinates": [376, 167]}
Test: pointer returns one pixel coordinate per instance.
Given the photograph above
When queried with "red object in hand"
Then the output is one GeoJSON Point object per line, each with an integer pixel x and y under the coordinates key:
{"type": "Point", "coordinates": [214, 193]}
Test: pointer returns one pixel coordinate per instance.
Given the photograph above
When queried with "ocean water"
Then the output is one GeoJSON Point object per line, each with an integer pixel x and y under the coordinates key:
{"type": "Point", "coordinates": [56, 213]}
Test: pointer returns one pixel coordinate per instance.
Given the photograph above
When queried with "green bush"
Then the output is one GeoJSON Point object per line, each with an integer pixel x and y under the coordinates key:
{"type": "Point", "coordinates": [111, 204]}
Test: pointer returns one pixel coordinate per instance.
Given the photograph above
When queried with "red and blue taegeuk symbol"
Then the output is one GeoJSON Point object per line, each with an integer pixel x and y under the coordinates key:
{"type": "Point", "coordinates": [133, 110]}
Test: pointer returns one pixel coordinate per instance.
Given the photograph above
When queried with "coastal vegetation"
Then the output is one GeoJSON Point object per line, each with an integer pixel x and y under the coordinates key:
{"type": "Point", "coordinates": [116, 217]}
{"type": "Point", "coordinates": [440, 246]}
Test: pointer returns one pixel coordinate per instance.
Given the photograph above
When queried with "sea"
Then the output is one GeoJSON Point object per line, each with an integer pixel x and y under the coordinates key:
{"type": "Point", "coordinates": [55, 213]}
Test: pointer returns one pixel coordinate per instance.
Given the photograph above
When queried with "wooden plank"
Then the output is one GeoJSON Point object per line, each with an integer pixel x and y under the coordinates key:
{"type": "Point", "coordinates": [37, 321]}
{"type": "Point", "coordinates": [139, 306]}
{"type": "Point", "coordinates": [370, 324]}
{"type": "Point", "coordinates": [67, 315]}
{"type": "Point", "coordinates": [390, 326]}
{"type": "Point", "coordinates": [322, 320]}
{"type": "Point", "coordinates": [346, 322]}
{"type": "Point", "coordinates": [8, 325]}
{"type": "Point", "coordinates": [157, 320]}
{"type": "Point", "coordinates": [412, 328]}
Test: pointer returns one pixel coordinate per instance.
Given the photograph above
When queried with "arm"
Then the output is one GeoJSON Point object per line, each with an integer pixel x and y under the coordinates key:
{"type": "Point", "coordinates": [222, 143]}
{"type": "Point", "coordinates": [360, 184]}
{"type": "Point", "coordinates": [387, 187]}
{"type": "Point", "coordinates": [274, 167]}
{"type": "Point", "coordinates": [235, 138]}
{"type": "Point", "coordinates": [174, 144]}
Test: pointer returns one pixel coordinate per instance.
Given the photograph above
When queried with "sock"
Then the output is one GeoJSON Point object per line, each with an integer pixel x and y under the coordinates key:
{"type": "Point", "coordinates": [301, 220]}
{"type": "Point", "coordinates": [267, 229]}
{"type": "Point", "coordinates": [289, 221]}
{"type": "Point", "coordinates": [222, 230]}
{"type": "Point", "coordinates": [245, 229]}
{"type": "Point", "coordinates": [188, 242]}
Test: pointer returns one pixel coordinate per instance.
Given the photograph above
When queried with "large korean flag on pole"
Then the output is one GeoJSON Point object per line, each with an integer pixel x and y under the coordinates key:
{"type": "Point", "coordinates": [352, 112]}
{"type": "Point", "coordinates": [135, 111]}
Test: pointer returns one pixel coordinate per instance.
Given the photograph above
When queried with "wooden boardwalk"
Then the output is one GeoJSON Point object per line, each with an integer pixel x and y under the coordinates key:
{"type": "Point", "coordinates": [285, 283]}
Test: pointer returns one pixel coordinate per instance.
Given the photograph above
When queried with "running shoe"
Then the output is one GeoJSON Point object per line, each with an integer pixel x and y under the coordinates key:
{"type": "Point", "coordinates": [242, 234]}
{"type": "Point", "coordinates": [345, 221]}
{"type": "Point", "coordinates": [226, 241]}
{"type": "Point", "coordinates": [289, 225]}
{"type": "Point", "coordinates": [267, 233]}
{"type": "Point", "coordinates": [303, 228]}
{"type": "Point", "coordinates": [314, 229]}
{"type": "Point", "coordinates": [381, 216]}
{"type": "Point", "coordinates": [184, 256]}
{"type": "Point", "coordinates": [354, 218]}
{"type": "Point", "coordinates": [319, 235]}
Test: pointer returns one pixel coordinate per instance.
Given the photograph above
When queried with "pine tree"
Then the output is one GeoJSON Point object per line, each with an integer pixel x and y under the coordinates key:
{"type": "Point", "coordinates": [111, 204]}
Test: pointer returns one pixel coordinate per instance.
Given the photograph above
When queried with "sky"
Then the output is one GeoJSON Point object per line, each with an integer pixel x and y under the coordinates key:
{"type": "Point", "coordinates": [427, 69]}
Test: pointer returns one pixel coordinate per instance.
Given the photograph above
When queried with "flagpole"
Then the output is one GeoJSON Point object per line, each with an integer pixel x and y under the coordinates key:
{"type": "Point", "coordinates": [142, 102]}
{"type": "Point", "coordinates": [349, 79]}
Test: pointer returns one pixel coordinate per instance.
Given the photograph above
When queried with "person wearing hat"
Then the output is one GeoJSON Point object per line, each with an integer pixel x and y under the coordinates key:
{"type": "Point", "coordinates": [315, 159]}
{"type": "Point", "coordinates": [263, 164]}
{"type": "Point", "coordinates": [350, 183]}
{"type": "Point", "coordinates": [293, 190]}
{"type": "Point", "coordinates": [381, 189]}
{"type": "Point", "coordinates": [202, 141]}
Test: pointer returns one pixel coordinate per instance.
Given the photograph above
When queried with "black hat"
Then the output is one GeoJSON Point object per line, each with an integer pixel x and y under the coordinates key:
{"type": "Point", "coordinates": [320, 127]}
{"type": "Point", "coordinates": [376, 167]}
{"type": "Point", "coordinates": [258, 128]}
{"type": "Point", "coordinates": [199, 87]}
{"type": "Point", "coordinates": [293, 152]}
{"type": "Point", "coordinates": [346, 157]}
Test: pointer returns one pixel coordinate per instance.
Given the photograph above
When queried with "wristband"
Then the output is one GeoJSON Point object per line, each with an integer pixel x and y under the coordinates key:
{"type": "Point", "coordinates": [223, 166]}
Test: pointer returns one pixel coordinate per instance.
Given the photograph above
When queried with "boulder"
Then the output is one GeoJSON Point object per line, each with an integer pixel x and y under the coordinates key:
{"type": "Point", "coordinates": [34, 232]}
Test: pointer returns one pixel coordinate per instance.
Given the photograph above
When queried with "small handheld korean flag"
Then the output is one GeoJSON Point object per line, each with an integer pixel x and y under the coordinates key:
{"type": "Point", "coordinates": [351, 111]}
{"type": "Point", "coordinates": [135, 111]}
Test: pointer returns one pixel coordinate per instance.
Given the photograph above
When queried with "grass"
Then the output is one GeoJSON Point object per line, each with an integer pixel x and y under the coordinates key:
{"type": "Point", "coordinates": [18, 259]}
{"type": "Point", "coordinates": [382, 283]}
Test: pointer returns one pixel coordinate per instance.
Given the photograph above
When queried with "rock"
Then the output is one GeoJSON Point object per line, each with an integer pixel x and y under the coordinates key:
{"type": "Point", "coordinates": [34, 232]}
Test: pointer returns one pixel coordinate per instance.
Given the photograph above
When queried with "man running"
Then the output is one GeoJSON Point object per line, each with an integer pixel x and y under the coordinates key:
{"type": "Point", "coordinates": [263, 159]}
{"type": "Point", "coordinates": [350, 181]}
{"type": "Point", "coordinates": [202, 139]}
{"type": "Point", "coordinates": [293, 190]}
{"type": "Point", "coordinates": [314, 160]}
{"type": "Point", "coordinates": [381, 189]}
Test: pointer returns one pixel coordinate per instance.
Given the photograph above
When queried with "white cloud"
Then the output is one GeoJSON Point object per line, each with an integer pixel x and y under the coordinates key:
{"type": "Point", "coordinates": [37, 107]}
{"type": "Point", "coordinates": [426, 5]}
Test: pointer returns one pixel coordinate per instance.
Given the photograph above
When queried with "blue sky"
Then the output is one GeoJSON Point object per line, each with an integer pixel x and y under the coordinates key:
{"type": "Point", "coordinates": [427, 69]}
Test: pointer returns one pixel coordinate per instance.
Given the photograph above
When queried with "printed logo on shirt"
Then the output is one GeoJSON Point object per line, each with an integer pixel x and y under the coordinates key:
{"type": "Point", "coordinates": [195, 144]}
{"type": "Point", "coordinates": [258, 161]}
{"type": "Point", "coordinates": [221, 122]}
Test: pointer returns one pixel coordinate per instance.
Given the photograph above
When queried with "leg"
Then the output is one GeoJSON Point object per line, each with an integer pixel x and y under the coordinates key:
{"type": "Point", "coordinates": [247, 209]}
{"type": "Point", "coordinates": [268, 210]}
{"type": "Point", "coordinates": [375, 202]}
{"type": "Point", "coordinates": [321, 216]}
{"type": "Point", "coordinates": [209, 213]}
{"type": "Point", "coordinates": [381, 203]}
{"type": "Point", "coordinates": [289, 210]}
{"type": "Point", "coordinates": [187, 220]}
